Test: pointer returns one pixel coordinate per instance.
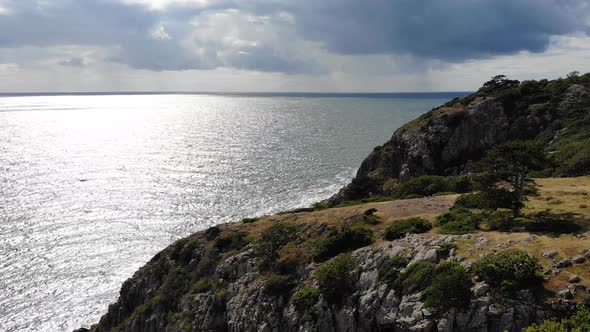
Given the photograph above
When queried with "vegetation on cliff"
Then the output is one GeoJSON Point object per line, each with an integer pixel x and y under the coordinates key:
{"type": "Point", "coordinates": [451, 138]}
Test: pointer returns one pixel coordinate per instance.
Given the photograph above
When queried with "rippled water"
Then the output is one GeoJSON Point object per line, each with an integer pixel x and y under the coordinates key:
{"type": "Point", "coordinates": [92, 186]}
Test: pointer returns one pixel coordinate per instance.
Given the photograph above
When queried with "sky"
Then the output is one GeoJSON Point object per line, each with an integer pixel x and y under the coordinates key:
{"type": "Point", "coordinates": [287, 45]}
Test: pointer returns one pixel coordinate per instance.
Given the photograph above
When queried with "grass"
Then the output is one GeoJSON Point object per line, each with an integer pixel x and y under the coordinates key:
{"type": "Point", "coordinates": [571, 192]}
{"type": "Point", "coordinates": [563, 195]}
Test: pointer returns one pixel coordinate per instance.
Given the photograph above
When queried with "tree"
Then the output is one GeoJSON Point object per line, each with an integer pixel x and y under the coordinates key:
{"type": "Point", "coordinates": [499, 82]}
{"type": "Point", "coordinates": [506, 168]}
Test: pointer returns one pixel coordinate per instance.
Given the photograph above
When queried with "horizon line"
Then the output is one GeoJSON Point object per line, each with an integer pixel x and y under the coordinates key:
{"type": "Point", "coordinates": [232, 93]}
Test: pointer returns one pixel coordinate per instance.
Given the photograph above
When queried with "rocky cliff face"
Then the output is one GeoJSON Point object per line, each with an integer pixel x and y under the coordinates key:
{"type": "Point", "coordinates": [241, 301]}
{"type": "Point", "coordinates": [448, 139]}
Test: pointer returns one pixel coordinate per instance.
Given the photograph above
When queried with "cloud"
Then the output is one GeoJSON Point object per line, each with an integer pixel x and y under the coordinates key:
{"type": "Point", "coordinates": [289, 36]}
{"type": "Point", "coordinates": [453, 30]}
{"type": "Point", "coordinates": [74, 62]}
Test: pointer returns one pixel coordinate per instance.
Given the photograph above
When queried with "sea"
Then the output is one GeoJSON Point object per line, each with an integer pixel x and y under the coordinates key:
{"type": "Point", "coordinates": [93, 185]}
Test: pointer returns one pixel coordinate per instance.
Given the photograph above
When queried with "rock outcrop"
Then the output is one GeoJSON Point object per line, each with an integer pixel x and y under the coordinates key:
{"type": "Point", "coordinates": [450, 138]}
{"type": "Point", "coordinates": [246, 306]}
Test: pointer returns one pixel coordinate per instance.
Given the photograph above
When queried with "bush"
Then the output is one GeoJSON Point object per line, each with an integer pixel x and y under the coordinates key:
{"type": "Point", "coordinates": [389, 268]}
{"type": "Point", "coordinates": [450, 288]}
{"type": "Point", "coordinates": [212, 233]}
{"type": "Point", "coordinates": [280, 285]}
{"type": "Point", "coordinates": [370, 212]}
{"type": "Point", "coordinates": [231, 241]}
{"type": "Point", "coordinates": [249, 220]}
{"type": "Point", "coordinates": [430, 184]}
{"type": "Point", "coordinates": [203, 286]}
{"type": "Point", "coordinates": [271, 240]}
{"type": "Point", "coordinates": [347, 239]}
{"type": "Point", "coordinates": [173, 288]}
{"type": "Point", "coordinates": [416, 277]}
{"type": "Point", "coordinates": [400, 228]}
{"type": "Point", "coordinates": [334, 279]}
{"type": "Point", "coordinates": [579, 322]}
{"type": "Point", "coordinates": [475, 201]}
{"type": "Point", "coordinates": [508, 271]}
{"type": "Point", "coordinates": [305, 300]}
{"type": "Point", "coordinates": [458, 221]}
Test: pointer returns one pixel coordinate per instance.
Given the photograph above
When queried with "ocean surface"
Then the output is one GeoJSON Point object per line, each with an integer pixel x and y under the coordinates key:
{"type": "Point", "coordinates": [92, 186]}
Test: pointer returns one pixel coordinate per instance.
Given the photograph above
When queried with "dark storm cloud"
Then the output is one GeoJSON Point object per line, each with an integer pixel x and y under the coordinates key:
{"type": "Point", "coordinates": [450, 30]}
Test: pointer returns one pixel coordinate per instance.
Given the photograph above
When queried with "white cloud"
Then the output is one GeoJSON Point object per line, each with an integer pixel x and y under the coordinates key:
{"type": "Point", "coordinates": [159, 33]}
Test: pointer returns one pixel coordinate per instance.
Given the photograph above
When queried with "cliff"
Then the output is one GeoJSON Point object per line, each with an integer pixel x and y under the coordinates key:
{"type": "Point", "coordinates": [450, 138]}
{"type": "Point", "coordinates": [346, 269]}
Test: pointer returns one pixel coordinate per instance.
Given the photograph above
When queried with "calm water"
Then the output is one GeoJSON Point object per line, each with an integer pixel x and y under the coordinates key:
{"type": "Point", "coordinates": [91, 187]}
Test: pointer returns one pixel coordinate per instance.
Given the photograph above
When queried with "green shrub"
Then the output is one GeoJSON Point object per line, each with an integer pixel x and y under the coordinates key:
{"type": "Point", "coordinates": [458, 221]}
{"type": "Point", "coordinates": [280, 285]}
{"type": "Point", "coordinates": [416, 277]}
{"type": "Point", "coordinates": [212, 233]}
{"type": "Point", "coordinates": [579, 322]}
{"type": "Point", "coordinates": [370, 218]}
{"type": "Point", "coordinates": [508, 271]}
{"type": "Point", "coordinates": [249, 220]}
{"type": "Point", "coordinates": [429, 184]}
{"type": "Point", "coordinates": [173, 288]}
{"type": "Point", "coordinates": [305, 300]}
{"type": "Point", "coordinates": [334, 278]}
{"type": "Point", "coordinates": [450, 288]}
{"type": "Point", "coordinates": [370, 212]}
{"type": "Point", "coordinates": [400, 228]}
{"type": "Point", "coordinates": [389, 268]}
{"type": "Point", "coordinates": [412, 196]}
{"type": "Point", "coordinates": [298, 210]}
{"type": "Point", "coordinates": [203, 286]}
{"type": "Point", "coordinates": [347, 239]}
{"type": "Point", "coordinates": [231, 241]}
{"type": "Point", "coordinates": [477, 200]}
{"type": "Point", "coordinates": [574, 158]}
{"type": "Point", "coordinates": [271, 240]}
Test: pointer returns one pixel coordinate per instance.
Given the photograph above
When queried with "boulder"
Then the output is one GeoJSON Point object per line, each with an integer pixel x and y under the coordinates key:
{"type": "Point", "coordinates": [566, 294]}
{"type": "Point", "coordinates": [578, 259]}
{"type": "Point", "coordinates": [549, 254]}
{"type": "Point", "coordinates": [574, 279]}
{"type": "Point", "coordinates": [563, 264]}
{"type": "Point", "coordinates": [480, 289]}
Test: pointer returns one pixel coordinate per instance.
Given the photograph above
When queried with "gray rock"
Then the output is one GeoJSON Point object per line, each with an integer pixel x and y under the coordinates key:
{"type": "Point", "coordinates": [549, 254]}
{"type": "Point", "coordinates": [527, 239]}
{"type": "Point", "coordinates": [430, 256]}
{"type": "Point", "coordinates": [566, 294]}
{"type": "Point", "coordinates": [563, 264]}
{"type": "Point", "coordinates": [480, 289]}
{"type": "Point", "coordinates": [574, 278]}
{"type": "Point", "coordinates": [579, 259]}
{"type": "Point", "coordinates": [552, 272]}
